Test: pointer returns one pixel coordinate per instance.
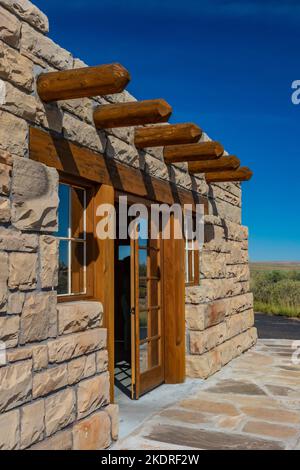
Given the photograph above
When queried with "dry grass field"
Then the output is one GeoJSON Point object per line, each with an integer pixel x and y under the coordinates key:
{"type": "Point", "coordinates": [276, 287]}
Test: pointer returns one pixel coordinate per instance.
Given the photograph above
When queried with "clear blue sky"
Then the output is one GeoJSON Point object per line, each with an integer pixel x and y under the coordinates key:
{"type": "Point", "coordinates": [224, 64]}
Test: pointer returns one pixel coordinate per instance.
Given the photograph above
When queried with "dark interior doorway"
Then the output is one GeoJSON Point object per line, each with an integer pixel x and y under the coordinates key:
{"type": "Point", "coordinates": [123, 372]}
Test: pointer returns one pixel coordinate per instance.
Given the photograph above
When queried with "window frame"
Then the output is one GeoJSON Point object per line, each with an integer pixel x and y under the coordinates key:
{"type": "Point", "coordinates": [191, 256]}
{"type": "Point", "coordinates": [89, 237]}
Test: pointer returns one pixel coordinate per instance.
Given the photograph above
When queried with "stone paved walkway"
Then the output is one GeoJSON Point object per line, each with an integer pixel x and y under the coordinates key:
{"type": "Point", "coordinates": [253, 403]}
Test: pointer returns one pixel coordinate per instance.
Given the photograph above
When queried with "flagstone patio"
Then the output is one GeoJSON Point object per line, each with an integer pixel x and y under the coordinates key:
{"type": "Point", "coordinates": [253, 403]}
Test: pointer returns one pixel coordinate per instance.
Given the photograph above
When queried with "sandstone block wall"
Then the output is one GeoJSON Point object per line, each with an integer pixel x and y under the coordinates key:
{"type": "Point", "coordinates": [219, 312]}
{"type": "Point", "coordinates": [54, 384]}
{"type": "Point", "coordinates": [54, 387]}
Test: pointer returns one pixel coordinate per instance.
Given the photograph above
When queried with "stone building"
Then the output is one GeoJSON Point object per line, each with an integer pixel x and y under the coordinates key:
{"type": "Point", "coordinates": [61, 289]}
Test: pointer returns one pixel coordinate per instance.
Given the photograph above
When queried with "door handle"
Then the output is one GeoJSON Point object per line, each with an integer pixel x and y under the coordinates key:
{"type": "Point", "coordinates": [132, 311]}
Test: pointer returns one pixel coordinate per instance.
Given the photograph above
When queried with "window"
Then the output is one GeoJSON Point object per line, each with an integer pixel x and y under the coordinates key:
{"type": "Point", "coordinates": [191, 261]}
{"type": "Point", "coordinates": [74, 262]}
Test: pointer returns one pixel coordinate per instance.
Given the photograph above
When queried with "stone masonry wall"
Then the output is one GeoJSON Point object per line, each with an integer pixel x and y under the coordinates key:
{"type": "Point", "coordinates": [219, 312]}
{"type": "Point", "coordinates": [54, 387]}
{"type": "Point", "coordinates": [54, 384]}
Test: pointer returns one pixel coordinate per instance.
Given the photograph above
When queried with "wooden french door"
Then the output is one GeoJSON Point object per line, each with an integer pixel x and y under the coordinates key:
{"type": "Point", "coordinates": [147, 326]}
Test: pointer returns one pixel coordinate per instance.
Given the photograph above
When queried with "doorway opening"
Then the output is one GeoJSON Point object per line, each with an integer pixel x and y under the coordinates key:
{"type": "Point", "coordinates": [139, 315]}
{"type": "Point", "coordinates": [123, 377]}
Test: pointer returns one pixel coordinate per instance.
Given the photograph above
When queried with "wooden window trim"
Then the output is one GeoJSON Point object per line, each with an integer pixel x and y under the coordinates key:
{"type": "Point", "coordinates": [90, 244]}
{"type": "Point", "coordinates": [196, 279]}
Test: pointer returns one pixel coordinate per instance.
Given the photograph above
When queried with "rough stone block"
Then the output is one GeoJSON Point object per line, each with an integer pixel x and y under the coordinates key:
{"type": "Point", "coordinates": [3, 281]}
{"type": "Point", "coordinates": [13, 240]}
{"type": "Point", "coordinates": [15, 303]}
{"type": "Point", "coordinates": [16, 68]}
{"type": "Point", "coordinates": [203, 366]}
{"type": "Point", "coordinates": [28, 12]}
{"type": "Point", "coordinates": [34, 199]}
{"type": "Point", "coordinates": [203, 341]}
{"type": "Point", "coordinates": [9, 430]}
{"type": "Point", "coordinates": [82, 108]}
{"type": "Point", "coordinates": [22, 271]}
{"type": "Point", "coordinates": [9, 331]}
{"type": "Point", "coordinates": [60, 410]}
{"type": "Point", "coordinates": [5, 211]}
{"type": "Point", "coordinates": [44, 48]}
{"type": "Point", "coordinates": [6, 158]}
{"type": "Point", "coordinates": [81, 368]}
{"type": "Point", "coordinates": [19, 354]}
{"type": "Point", "coordinates": [195, 316]}
{"type": "Point", "coordinates": [79, 316]}
{"type": "Point", "coordinates": [49, 381]}
{"type": "Point", "coordinates": [83, 133]}
{"type": "Point", "coordinates": [213, 289]}
{"type": "Point", "coordinates": [13, 133]}
{"type": "Point", "coordinates": [5, 179]}
{"type": "Point", "coordinates": [220, 194]}
{"type": "Point", "coordinates": [16, 385]}
{"type": "Point", "coordinates": [240, 272]}
{"type": "Point", "coordinates": [122, 151]}
{"type": "Point", "coordinates": [239, 303]}
{"type": "Point", "coordinates": [225, 210]}
{"type": "Point", "coordinates": [202, 316]}
{"type": "Point", "coordinates": [77, 344]}
{"type": "Point", "coordinates": [10, 28]}
{"type": "Point", "coordinates": [40, 357]}
{"type": "Point", "coordinates": [213, 265]}
{"type": "Point", "coordinates": [237, 345]}
{"type": "Point", "coordinates": [236, 324]}
{"type": "Point", "coordinates": [126, 134]}
{"type": "Point", "coordinates": [92, 394]}
{"type": "Point", "coordinates": [39, 317]}
{"type": "Point", "coordinates": [93, 433]}
{"type": "Point", "coordinates": [60, 441]}
{"type": "Point", "coordinates": [180, 177]}
{"type": "Point", "coordinates": [113, 412]}
{"type": "Point", "coordinates": [17, 102]}
{"type": "Point", "coordinates": [48, 261]}
{"type": "Point", "coordinates": [156, 168]}
{"type": "Point", "coordinates": [102, 360]}
{"type": "Point", "coordinates": [122, 97]}
{"type": "Point", "coordinates": [32, 423]}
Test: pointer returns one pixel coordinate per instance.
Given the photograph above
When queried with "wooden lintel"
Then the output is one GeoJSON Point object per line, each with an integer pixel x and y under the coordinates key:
{"type": "Point", "coordinates": [222, 164]}
{"type": "Point", "coordinates": [84, 82]}
{"type": "Point", "coordinates": [72, 159]}
{"type": "Point", "coordinates": [193, 152]}
{"type": "Point", "coordinates": [173, 134]}
{"type": "Point", "coordinates": [132, 114]}
{"type": "Point", "coordinates": [242, 174]}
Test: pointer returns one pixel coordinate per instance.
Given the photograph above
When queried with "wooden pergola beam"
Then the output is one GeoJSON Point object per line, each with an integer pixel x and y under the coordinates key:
{"type": "Point", "coordinates": [82, 83]}
{"type": "Point", "coordinates": [222, 164]}
{"type": "Point", "coordinates": [193, 152]}
{"type": "Point", "coordinates": [242, 174]}
{"type": "Point", "coordinates": [160, 136]}
{"type": "Point", "coordinates": [132, 114]}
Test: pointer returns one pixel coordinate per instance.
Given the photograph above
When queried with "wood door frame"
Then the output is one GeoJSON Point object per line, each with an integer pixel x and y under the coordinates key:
{"type": "Point", "coordinates": [109, 175]}
{"type": "Point", "coordinates": [153, 377]}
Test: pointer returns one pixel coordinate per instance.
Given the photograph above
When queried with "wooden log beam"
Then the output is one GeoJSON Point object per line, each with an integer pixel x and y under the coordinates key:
{"type": "Point", "coordinates": [159, 136]}
{"type": "Point", "coordinates": [134, 113]}
{"type": "Point", "coordinates": [222, 164]}
{"type": "Point", "coordinates": [81, 83]}
{"type": "Point", "coordinates": [81, 163]}
{"type": "Point", "coordinates": [242, 174]}
{"type": "Point", "coordinates": [193, 152]}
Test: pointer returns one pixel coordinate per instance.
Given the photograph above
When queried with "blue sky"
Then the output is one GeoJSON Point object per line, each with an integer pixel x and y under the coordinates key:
{"type": "Point", "coordinates": [224, 64]}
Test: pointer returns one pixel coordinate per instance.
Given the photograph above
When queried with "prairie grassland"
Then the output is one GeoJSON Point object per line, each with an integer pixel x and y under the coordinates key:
{"type": "Point", "coordinates": [276, 288]}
